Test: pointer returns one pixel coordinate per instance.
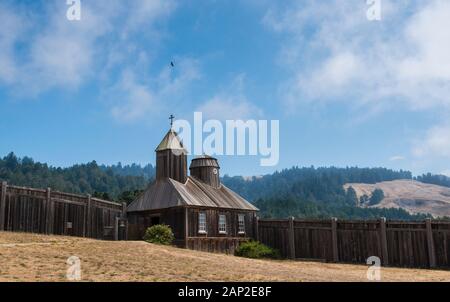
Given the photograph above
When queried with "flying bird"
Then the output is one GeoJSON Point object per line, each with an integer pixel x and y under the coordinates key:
{"type": "Point", "coordinates": [172, 64]}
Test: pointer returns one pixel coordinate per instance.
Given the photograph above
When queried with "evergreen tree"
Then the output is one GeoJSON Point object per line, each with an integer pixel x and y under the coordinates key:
{"type": "Point", "coordinates": [352, 198]}
{"type": "Point", "coordinates": [377, 197]}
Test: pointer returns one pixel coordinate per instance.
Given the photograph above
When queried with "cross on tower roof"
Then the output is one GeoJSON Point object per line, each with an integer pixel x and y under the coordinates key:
{"type": "Point", "coordinates": [171, 118]}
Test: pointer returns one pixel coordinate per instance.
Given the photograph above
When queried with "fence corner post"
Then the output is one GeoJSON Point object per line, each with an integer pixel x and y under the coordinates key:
{"type": "Point", "coordinates": [3, 205]}
{"type": "Point", "coordinates": [291, 238]}
{"type": "Point", "coordinates": [383, 243]}
{"type": "Point", "coordinates": [430, 243]}
{"type": "Point", "coordinates": [334, 239]}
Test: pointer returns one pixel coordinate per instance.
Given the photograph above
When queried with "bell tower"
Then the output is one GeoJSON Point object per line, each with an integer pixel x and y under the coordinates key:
{"type": "Point", "coordinates": [206, 169]}
{"type": "Point", "coordinates": [171, 158]}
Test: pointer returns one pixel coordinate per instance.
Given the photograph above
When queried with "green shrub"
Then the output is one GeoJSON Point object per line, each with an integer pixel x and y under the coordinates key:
{"type": "Point", "coordinates": [256, 250]}
{"type": "Point", "coordinates": [159, 234]}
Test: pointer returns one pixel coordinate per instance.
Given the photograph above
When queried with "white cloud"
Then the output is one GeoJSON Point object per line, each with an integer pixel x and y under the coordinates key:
{"type": "Point", "coordinates": [226, 107]}
{"type": "Point", "coordinates": [232, 104]}
{"type": "Point", "coordinates": [335, 53]}
{"type": "Point", "coordinates": [397, 158]}
{"type": "Point", "coordinates": [137, 96]}
{"type": "Point", "coordinates": [446, 173]}
{"type": "Point", "coordinates": [145, 12]}
{"type": "Point", "coordinates": [337, 72]}
{"type": "Point", "coordinates": [435, 143]}
{"type": "Point", "coordinates": [113, 44]}
{"type": "Point", "coordinates": [57, 53]}
{"type": "Point", "coordinates": [136, 99]}
{"type": "Point", "coordinates": [10, 31]}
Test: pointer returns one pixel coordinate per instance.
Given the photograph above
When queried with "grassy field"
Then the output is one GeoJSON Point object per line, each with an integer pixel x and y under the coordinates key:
{"type": "Point", "coordinates": [29, 257]}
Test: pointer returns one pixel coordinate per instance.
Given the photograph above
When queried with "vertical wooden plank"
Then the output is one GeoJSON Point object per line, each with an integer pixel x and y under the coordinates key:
{"type": "Point", "coordinates": [257, 228]}
{"type": "Point", "coordinates": [85, 219]}
{"type": "Point", "coordinates": [334, 239]}
{"type": "Point", "coordinates": [124, 210]}
{"type": "Point", "coordinates": [291, 238]}
{"type": "Point", "coordinates": [66, 218]}
{"type": "Point", "coordinates": [186, 226]}
{"type": "Point", "coordinates": [383, 243]}
{"type": "Point", "coordinates": [3, 205]}
{"type": "Point", "coordinates": [48, 212]}
{"type": "Point", "coordinates": [430, 243]}
{"type": "Point", "coordinates": [88, 217]}
{"type": "Point", "coordinates": [116, 229]}
{"type": "Point", "coordinates": [52, 214]}
{"type": "Point", "coordinates": [124, 216]}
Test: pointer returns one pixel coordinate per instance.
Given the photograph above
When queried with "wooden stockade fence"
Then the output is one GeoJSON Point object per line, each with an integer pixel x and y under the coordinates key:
{"type": "Point", "coordinates": [51, 212]}
{"type": "Point", "coordinates": [397, 243]}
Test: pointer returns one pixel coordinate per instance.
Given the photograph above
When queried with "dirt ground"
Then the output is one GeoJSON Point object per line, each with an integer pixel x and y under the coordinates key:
{"type": "Point", "coordinates": [29, 257]}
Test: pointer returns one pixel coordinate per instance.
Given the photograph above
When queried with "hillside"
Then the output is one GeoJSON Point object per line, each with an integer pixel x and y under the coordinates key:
{"type": "Point", "coordinates": [115, 182]}
{"type": "Point", "coordinates": [307, 192]}
{"type": "Point", "coordinates": [29, 257]}
{"type": "Point", "coordinates": [413, 196]}
{"type": "Point", "coordinates": [311, 192]}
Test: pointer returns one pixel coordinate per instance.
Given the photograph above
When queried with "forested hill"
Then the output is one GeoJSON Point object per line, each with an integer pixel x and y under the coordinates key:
{"type": "Point", "coordinates": [440, 180]}
{"type": "Point", "coordinates": [148, 171]}
{"type": "Point", "coordinates": [316, 193]}
{"type": "Point", "coordinates": [301, 192]}
{"type": "Point", "coordinates": [108, 182]}
{"type": "Point", "coordinates": [308, 182]}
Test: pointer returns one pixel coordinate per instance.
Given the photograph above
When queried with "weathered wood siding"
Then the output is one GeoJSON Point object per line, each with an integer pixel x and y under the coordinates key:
{"type": "Point", "coordinates": [307, 234]}
{"type": "Point", "coordinates": [225, 245]}
{"type": "Point", "coordinates": [275, 233]}
{"type": "Point", "coordinates": [170, 165]}
{"type": "Point", "coordinates": [212, 241]}
{"type": "Point", "coordinates": [212, 222]}
{"type": "Point", "coordinates": [52, 212]}
{"type": "Point", "coordinates": [207, 175]}
{"type": "Point", "coordinates": [138, 222]}
{"type": "Point", "coordinates": [396, 243]}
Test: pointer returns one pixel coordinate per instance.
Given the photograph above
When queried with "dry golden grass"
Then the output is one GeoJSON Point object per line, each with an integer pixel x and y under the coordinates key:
{"type": "Point", "coordinates": [412, 196]}
{"type": "Point", "coordinates": [30, 257]}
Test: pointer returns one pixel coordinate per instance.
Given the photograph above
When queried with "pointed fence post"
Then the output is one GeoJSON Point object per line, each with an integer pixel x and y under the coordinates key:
{"type": "Point", "coordinates": [123, 221]}
{"type": "Point", "coordinates": [116, 229]}
{"type": "Point", "coordinates": [49, 219]}
{"type": "Point", "coordinates": [430, 243]}
{"type": "Point", "coordinates": [88, 216]}
{"type": "Point", "coordinates": [3, 206]}
{"type": "Point", "coordinates": [291, 238]}
{"type": "Point", "coordinates": [257, 228]}
{"type": "Point", "coordinates": [85, 219]}
{"type": "Point", "coordinates": [383, 243]}
{"type": "Point", "coordinates": [334, 239]}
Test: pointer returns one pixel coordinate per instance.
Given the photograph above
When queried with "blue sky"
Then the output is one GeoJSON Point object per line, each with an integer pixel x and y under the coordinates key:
{"type": "Point", "coordinates": [347, 91]}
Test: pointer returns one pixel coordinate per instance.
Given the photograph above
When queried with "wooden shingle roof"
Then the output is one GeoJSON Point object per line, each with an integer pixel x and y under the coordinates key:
{"type": "Point", "coordinates": [169, 193]}
{"type": "Point", "coordinates": [204, 161]}
{"type": "Point", "coordinates": [170, 142]}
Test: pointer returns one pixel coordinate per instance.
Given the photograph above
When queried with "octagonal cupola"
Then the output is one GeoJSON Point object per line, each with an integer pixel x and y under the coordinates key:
{"type": "Point", "coordinates": [206, 169]}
